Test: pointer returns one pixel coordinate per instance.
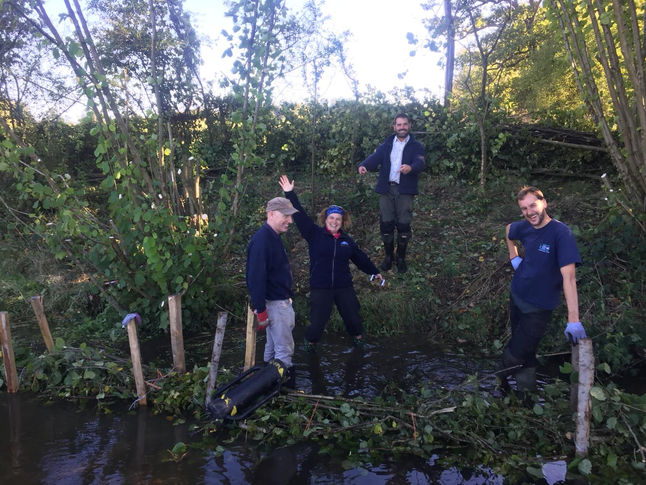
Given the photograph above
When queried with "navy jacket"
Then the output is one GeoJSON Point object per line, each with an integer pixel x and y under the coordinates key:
{"type": "Point", "coordinates": [329, 256]}
{"type": "Point", "coordinates": [413, 155]}
{"type": "Point", "coordinates": [268, 274]}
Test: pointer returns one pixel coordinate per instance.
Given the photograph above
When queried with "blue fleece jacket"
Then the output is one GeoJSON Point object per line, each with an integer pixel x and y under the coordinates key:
{"type": "Point", "coordinates": [268, 274]}
{"type": "Point", "coordinates": [413, 155]}
{"type": "Point", "coordinates": [329, 256]}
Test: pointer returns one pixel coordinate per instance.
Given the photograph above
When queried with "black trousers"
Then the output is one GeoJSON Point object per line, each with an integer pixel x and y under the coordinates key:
{"type": "Point", "coordinates": [527, 330]}
{"type": "Point", "coordinates": [321, 301]}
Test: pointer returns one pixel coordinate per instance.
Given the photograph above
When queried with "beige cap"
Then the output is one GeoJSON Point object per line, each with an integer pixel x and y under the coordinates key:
{"type": "Point", "coordinates": [282, 205]}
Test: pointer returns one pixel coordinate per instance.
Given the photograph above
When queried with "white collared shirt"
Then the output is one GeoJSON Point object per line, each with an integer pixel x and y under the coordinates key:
{"type": "Point", "coordinates": [396, 158]}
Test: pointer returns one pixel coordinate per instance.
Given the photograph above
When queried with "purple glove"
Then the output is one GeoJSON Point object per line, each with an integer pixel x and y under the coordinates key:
{"type": "Point", "coordinates": [516, 262]}
{"type": "Point", "coordinates": [574, 331]}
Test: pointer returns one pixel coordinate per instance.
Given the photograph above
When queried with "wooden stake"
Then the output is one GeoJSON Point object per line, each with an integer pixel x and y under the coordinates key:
{"type": "Point", "coordinates": [7, 353]}
{"type": "Point", "coordinates": [217, 350]}
{"type": "Point", "coordinates": [135, 355]}
{"type": "Point", "coordinates": [39, 310]}
{"type": "Point", "coordinates": [250, 349]}
{"type": "Point", "coordinates": [586, 381]}
{"type": "Point", "coordinates": [176, 335]}
{"type": "Point", "coordinates": [574, 382]}
{"type": "Point", "coordinates": [16, 437]}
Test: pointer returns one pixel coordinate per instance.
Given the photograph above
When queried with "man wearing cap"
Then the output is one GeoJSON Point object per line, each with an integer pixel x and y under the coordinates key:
{"type": "Point", "coordinates": [269, 281]}
{"type": "Point", "coordinates": [399, 161]}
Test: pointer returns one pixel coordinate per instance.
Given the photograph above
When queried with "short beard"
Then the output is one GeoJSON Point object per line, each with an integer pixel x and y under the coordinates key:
{"type": "Point", "coordinates": [541, 218]}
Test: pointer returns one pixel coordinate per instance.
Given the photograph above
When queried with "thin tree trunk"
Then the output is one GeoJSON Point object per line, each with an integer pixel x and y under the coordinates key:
{"type": "Point", "coordinates": [450, 54]}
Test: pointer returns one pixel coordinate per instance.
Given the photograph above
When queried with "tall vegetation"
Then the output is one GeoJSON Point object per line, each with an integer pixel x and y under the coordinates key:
{"type": "Point", "coordinates": [141, 227]}
{"type": "Point", "coordinates": [605, 42]}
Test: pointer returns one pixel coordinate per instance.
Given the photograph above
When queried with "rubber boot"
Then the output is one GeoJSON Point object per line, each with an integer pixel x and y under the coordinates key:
{"type": "Point", "coordinates": [290, 378]}
{"type": "Point", "coordinates": [525, 385]}
{"type": "Point", "coordinates": [509, 366]}
{"type": "Point", "coordinates": [358, 342]}
{"type": "Point", "coordinates": [389, 248]}
{"type": "Point", "coordinates": [402, 244]}
{"type": "Point", "coordinates": [526, 379]}
{"type": "Point", "coordinates": [308, 346]}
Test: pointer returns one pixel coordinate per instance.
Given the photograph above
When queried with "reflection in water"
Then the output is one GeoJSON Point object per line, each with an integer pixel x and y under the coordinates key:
{"type": "Point", "coordinates": [61, 444]}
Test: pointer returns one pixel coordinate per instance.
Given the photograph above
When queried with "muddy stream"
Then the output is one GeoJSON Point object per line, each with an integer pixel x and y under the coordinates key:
{"type": "Point", "coordinates": [62, 444]}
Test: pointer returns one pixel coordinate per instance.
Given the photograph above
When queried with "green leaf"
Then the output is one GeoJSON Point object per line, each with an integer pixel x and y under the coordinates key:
{"type": "Point", "coordinates": [74, 49]}
{"type": "Point", "coordinates": [179, 448]}
{"type": "Point", "coordinates": [535, 471]}
{"type": "Point", "coordinates": [604, 367]}
{"type": "Point", "coordinates": [598, 394]}
{"type": "Point", "coordinates": [585, 467]}
{"type": "Point", "coordinates": [566, 368]}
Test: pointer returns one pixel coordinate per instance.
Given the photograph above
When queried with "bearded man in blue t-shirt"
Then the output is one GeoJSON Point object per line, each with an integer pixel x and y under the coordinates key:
{"type": "Point", "coordinates": [547, 267]}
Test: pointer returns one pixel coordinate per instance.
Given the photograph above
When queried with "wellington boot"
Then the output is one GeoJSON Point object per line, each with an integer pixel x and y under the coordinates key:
{"type": "Point", "coordinates": [308, 346]}
{"type": "Point", "coordinates": [402, 244]}
{"type": "Point", "coordinates": [526, 379]}
{"type": "Point", "coordinates": [389, 248]}
{"type": "Point", "coordinates": [290, 378]}
{"type": "Point", "coordinates": [358, 342]}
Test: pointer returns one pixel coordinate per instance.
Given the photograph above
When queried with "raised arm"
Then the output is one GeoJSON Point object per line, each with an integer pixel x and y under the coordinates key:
{"type": "Point", "coordinates": [285, 184]}
{"type": "Point", "coordinates": [305, 224]}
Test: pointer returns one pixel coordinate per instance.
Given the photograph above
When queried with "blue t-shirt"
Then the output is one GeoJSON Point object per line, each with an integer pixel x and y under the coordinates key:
{"type": "Point", "coordinates": [538, 279]}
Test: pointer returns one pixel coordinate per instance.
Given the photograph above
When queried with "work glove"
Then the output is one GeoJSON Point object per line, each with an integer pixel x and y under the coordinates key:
{"type": "Point", "coordinates": [574, 331]}
{"type": "Point", "coordinates": [515, 262]}
{"type": "Point", "coordinates": [263, 319]}
{"type": "Point", "coordinates": [383, 281]}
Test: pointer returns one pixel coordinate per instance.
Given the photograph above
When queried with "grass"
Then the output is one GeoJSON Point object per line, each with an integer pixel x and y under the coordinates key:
{"type": "Point", "coordinates": [455, 290]}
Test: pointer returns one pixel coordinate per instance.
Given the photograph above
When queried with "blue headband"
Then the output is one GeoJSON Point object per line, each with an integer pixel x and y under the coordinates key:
{"type": "Point", "coordinates": [333, 209]}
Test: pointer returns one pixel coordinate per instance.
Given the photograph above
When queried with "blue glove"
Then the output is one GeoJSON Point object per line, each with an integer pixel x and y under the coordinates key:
{"type": "Point", "coordinates": [574, 331]}
{"type": "Point", "coordinates": [130, 316]}
{"type": "Point", "coordinates": [516, 262]}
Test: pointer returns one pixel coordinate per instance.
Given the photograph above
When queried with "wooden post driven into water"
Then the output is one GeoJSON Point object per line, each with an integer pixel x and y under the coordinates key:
{"type": "Point", "coordinates": [39, 310]}
{"type": "Point", "coordinates": [574, 382]}
{"type": "Point", "coordinates": [586, 381]}
{"type": "Point", "coordinates": [135, 355]}
{"type": "Point", "coordinates": [7, 353]}
{"type": "Point", "coordinates": [217, 350]}
{"type": "Point", "coordinates": [250, 348]}
{"type": "Point", "coordinates": [176, 335]}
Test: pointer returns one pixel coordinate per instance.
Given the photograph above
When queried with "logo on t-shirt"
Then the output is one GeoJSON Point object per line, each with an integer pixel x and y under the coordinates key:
{"type": "Point", "coordinates": [345, 243]}
{"type": "Point", "coordinates": [544, 248]}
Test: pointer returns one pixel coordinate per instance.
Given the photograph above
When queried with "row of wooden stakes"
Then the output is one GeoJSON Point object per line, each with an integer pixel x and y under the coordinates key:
{"type": "Point", "coordinates": [177, 345]}
{"type": "Point", "coordinates": [582, 359]}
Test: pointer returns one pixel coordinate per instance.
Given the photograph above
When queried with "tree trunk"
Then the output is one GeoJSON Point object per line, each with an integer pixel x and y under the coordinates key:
{"type": "Point", "coordinates": [450, 54]}
{"type": "Point", "coordinates": [618, 50]}
{"type": "Point", "coordinates": [483, 152]}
